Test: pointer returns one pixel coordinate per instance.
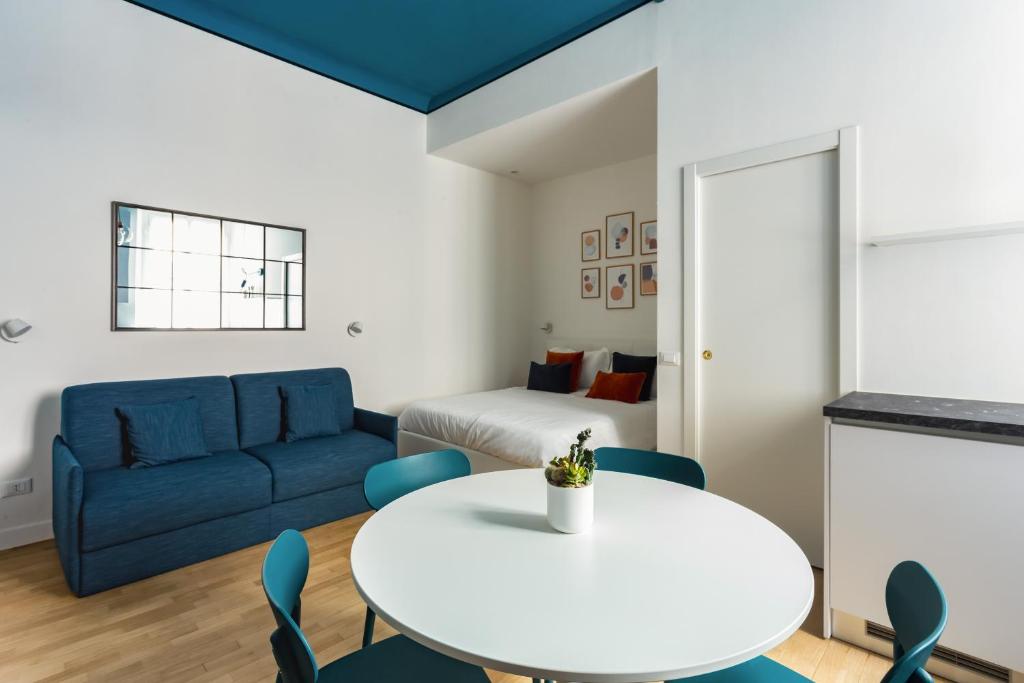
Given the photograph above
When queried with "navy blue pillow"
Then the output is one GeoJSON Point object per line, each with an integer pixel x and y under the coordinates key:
{"type": "Point", "coordinates": [622, 362]}
{"type": "Point", "coordinates": [162, 433]}
{"type": "Point", "coordinates": [555, 377]}
{"type": "Point", "coordinates": [310, 410]}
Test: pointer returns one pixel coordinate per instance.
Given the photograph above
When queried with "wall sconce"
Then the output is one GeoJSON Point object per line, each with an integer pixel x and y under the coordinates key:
{"type": "Point", "coordinates": [12, 329]}
{"type": "Point", "coordinates": [548, 328]}
{"type": "Point", "coordinates": [355, 329]}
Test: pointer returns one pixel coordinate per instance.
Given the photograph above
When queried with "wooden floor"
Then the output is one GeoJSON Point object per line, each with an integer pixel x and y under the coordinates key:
{"type": "Point", "coordinates": [210, 622]}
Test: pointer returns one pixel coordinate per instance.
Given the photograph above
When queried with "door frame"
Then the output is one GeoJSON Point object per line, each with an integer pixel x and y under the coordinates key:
{"type": "Point", "coordinates": [846, 142]}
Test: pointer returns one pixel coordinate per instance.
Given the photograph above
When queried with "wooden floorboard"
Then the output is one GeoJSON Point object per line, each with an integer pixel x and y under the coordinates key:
{"type": "Point", "coordinates": [209, 622]}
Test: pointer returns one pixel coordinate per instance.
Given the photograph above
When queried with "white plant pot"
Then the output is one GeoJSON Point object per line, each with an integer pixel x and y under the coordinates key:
{"type": "Point", "coordinates": [570, 510]}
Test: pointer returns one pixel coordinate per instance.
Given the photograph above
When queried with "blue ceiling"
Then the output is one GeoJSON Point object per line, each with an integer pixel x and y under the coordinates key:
{"type": "Point", "coordinates": [422, 54]}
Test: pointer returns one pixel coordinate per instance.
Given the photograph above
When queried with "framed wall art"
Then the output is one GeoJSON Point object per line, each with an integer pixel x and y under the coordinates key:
{"type": "Point", "coordinates": [649, 278]}
{"type": "Point", "coordinates": [590, 283]}
{"type": "Point", "coordinates": [590, 245]}
{"type": "Point", "coordinates": [618, 235]}
{"type": "Point", "coordinates": [648, 238]}
{"type": "Point", "coordinates": [618, 286]}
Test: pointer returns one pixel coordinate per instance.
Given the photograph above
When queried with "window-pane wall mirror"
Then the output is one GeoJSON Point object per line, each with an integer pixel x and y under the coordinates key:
{"type": "Point", "coordinates": [175, 270]}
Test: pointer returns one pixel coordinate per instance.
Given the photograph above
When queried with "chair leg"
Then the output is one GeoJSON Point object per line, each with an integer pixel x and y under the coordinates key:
{"type": "Point", "coordinates": [368, 627]}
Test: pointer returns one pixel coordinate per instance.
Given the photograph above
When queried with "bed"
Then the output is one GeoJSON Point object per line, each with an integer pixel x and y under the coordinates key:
{"type": "Point", "coordinates": [521, 427]}
{"type": "Point", "coordinates": [516, 427]}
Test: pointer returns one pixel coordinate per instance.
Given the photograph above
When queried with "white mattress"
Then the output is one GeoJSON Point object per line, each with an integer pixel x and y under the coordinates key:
{"type": "Point", "coordinates": [530, 427]}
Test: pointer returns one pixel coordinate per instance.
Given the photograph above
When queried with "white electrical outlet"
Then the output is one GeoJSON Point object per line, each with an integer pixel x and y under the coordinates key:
{"type": "Point", "coordinates": [18, 487]}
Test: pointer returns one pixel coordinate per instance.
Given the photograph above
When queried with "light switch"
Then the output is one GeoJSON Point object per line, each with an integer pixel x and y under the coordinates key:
{"type": "Point", "coordinates": [669, 357]}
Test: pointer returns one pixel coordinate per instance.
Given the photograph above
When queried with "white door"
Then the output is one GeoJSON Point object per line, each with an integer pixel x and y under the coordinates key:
{"type": "Point", "coordinates": [768, 312]}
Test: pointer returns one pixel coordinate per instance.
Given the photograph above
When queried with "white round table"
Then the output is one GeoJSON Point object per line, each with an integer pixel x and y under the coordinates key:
{"type": "Point", "coordinates": [670, 581]}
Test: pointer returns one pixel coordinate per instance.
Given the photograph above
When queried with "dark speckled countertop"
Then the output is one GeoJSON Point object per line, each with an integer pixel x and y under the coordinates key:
{"type": "Point", "coordinates": [983, 417]}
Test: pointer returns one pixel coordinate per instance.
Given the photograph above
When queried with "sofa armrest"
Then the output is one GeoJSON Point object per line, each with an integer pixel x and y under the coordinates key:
{"type": "Point", "coordinates": [68, 487]}
{"type": "Point", "coordinates": [378, 424]}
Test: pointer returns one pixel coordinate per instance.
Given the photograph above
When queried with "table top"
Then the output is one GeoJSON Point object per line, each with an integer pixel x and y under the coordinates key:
{"type": "Point", "coordinates": [669, 582]}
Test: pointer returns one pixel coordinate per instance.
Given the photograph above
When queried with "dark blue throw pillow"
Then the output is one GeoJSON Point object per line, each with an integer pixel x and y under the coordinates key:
{"type": "Point", "coordinates": [623, 362]}
{"type": "Point", "coordinates": [310, 410]}
{"type": "Point", "coordinates": [555, 377]}
{"type": "Point", "coordinates": [162, 433]}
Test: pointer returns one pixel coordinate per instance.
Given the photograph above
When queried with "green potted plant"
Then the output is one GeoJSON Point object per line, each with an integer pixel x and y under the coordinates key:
{"type": "Point", "coordinates": [570, 487]}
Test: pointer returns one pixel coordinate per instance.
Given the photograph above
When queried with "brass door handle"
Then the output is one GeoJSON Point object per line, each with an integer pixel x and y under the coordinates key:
{"type": "Point", "coordinates": [707, 354]}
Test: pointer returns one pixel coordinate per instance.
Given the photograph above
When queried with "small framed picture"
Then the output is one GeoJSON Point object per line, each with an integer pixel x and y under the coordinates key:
{"type": "Point", "coordinates": [618, 235]}
{"type": "Point", "coordinates": [590, 283]}
{"type": "Point", "coordinates": [649, 278]}
{"type": "Point", "coordinates": [590, 245]}
{"type": "Point", "coordinates": [618, 286]}
{"type": "Point", "coordinates": [648, 238]}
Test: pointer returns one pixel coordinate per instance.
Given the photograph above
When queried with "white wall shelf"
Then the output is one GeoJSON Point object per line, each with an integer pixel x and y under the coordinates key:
{"type": "Point", "coordinates": [961, 233]}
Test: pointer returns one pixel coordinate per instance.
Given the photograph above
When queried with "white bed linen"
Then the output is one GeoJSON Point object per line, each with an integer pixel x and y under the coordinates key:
{"type": "Point", "coordinates": [530, 427]}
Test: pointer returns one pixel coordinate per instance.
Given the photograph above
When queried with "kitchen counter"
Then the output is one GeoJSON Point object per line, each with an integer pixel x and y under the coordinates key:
{"type": "Point", "coordinates": [982, 417]}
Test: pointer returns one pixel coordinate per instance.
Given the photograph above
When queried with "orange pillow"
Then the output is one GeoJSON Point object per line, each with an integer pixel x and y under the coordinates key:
{"type": "Point", "coordinates": [576, 358]}
{"type": "Point", "coordinates": [618, 386]}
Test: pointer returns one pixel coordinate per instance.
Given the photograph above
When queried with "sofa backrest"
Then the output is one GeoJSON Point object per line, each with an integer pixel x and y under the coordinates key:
{"type": "Point", "coordinates": [91, 427]}
{"type": "Point", "coordinates": [261, 408]}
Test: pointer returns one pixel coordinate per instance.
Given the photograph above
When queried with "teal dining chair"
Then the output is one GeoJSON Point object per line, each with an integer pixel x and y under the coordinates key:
{"type": "Point", "coordinates": [917, 610]}
{"type": "Point", "coordinates": [677, 468]}
{"type": "Point", "coordinates": [390, 480]}
{"type": "Point", "coordinates": [393, 660]}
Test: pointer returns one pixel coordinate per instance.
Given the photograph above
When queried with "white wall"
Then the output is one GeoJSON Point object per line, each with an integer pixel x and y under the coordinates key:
{"type": "Point", "coordinates": [617, 50]}
{"type": "Point", "coordinates": [104, 101]}
{"type": "Point", "coordinates": [562, 209]}
{"type": "Point", "coordinates": [935, 86]}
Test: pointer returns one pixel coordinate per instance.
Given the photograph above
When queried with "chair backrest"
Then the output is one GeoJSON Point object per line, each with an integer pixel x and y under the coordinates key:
{"type": "Point", "coordinates": [284, 574]}
{"type": "Point", "coordinates": [917, 610]}
{"type": "Point", "coordinates": [392, 479]}
{"type": "Point", "coordinates": [677, 468]}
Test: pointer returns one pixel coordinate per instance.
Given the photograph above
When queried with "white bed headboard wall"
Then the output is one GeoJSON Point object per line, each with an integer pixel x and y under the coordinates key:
{"type": "Point", "coordinates": [636, 347]}
{"type": "Point", "coordinates": [563, 209]}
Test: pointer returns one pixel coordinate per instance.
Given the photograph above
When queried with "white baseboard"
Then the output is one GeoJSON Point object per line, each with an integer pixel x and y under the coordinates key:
{"type": "Point", "coordinates": [25, 534]}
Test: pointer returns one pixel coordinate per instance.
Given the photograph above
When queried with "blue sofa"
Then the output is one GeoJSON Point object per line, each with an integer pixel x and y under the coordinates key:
{"type": "Point", "coordinates": [114, 524]}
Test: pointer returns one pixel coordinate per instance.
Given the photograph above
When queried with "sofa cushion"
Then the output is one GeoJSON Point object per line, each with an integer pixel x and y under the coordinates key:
{"type": "Point", "coordinates": [323, 463]}
{"type": "Point", "coordinates": [309, 411]}
{"type": "Point", "coordinates": [92, 429]}
{"type": "Point", "coordinates": [261, 417]}
{"type": "Point", "coordinates": [162, 433]}
{"type": "Point", "coordinates": [122, 504]}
